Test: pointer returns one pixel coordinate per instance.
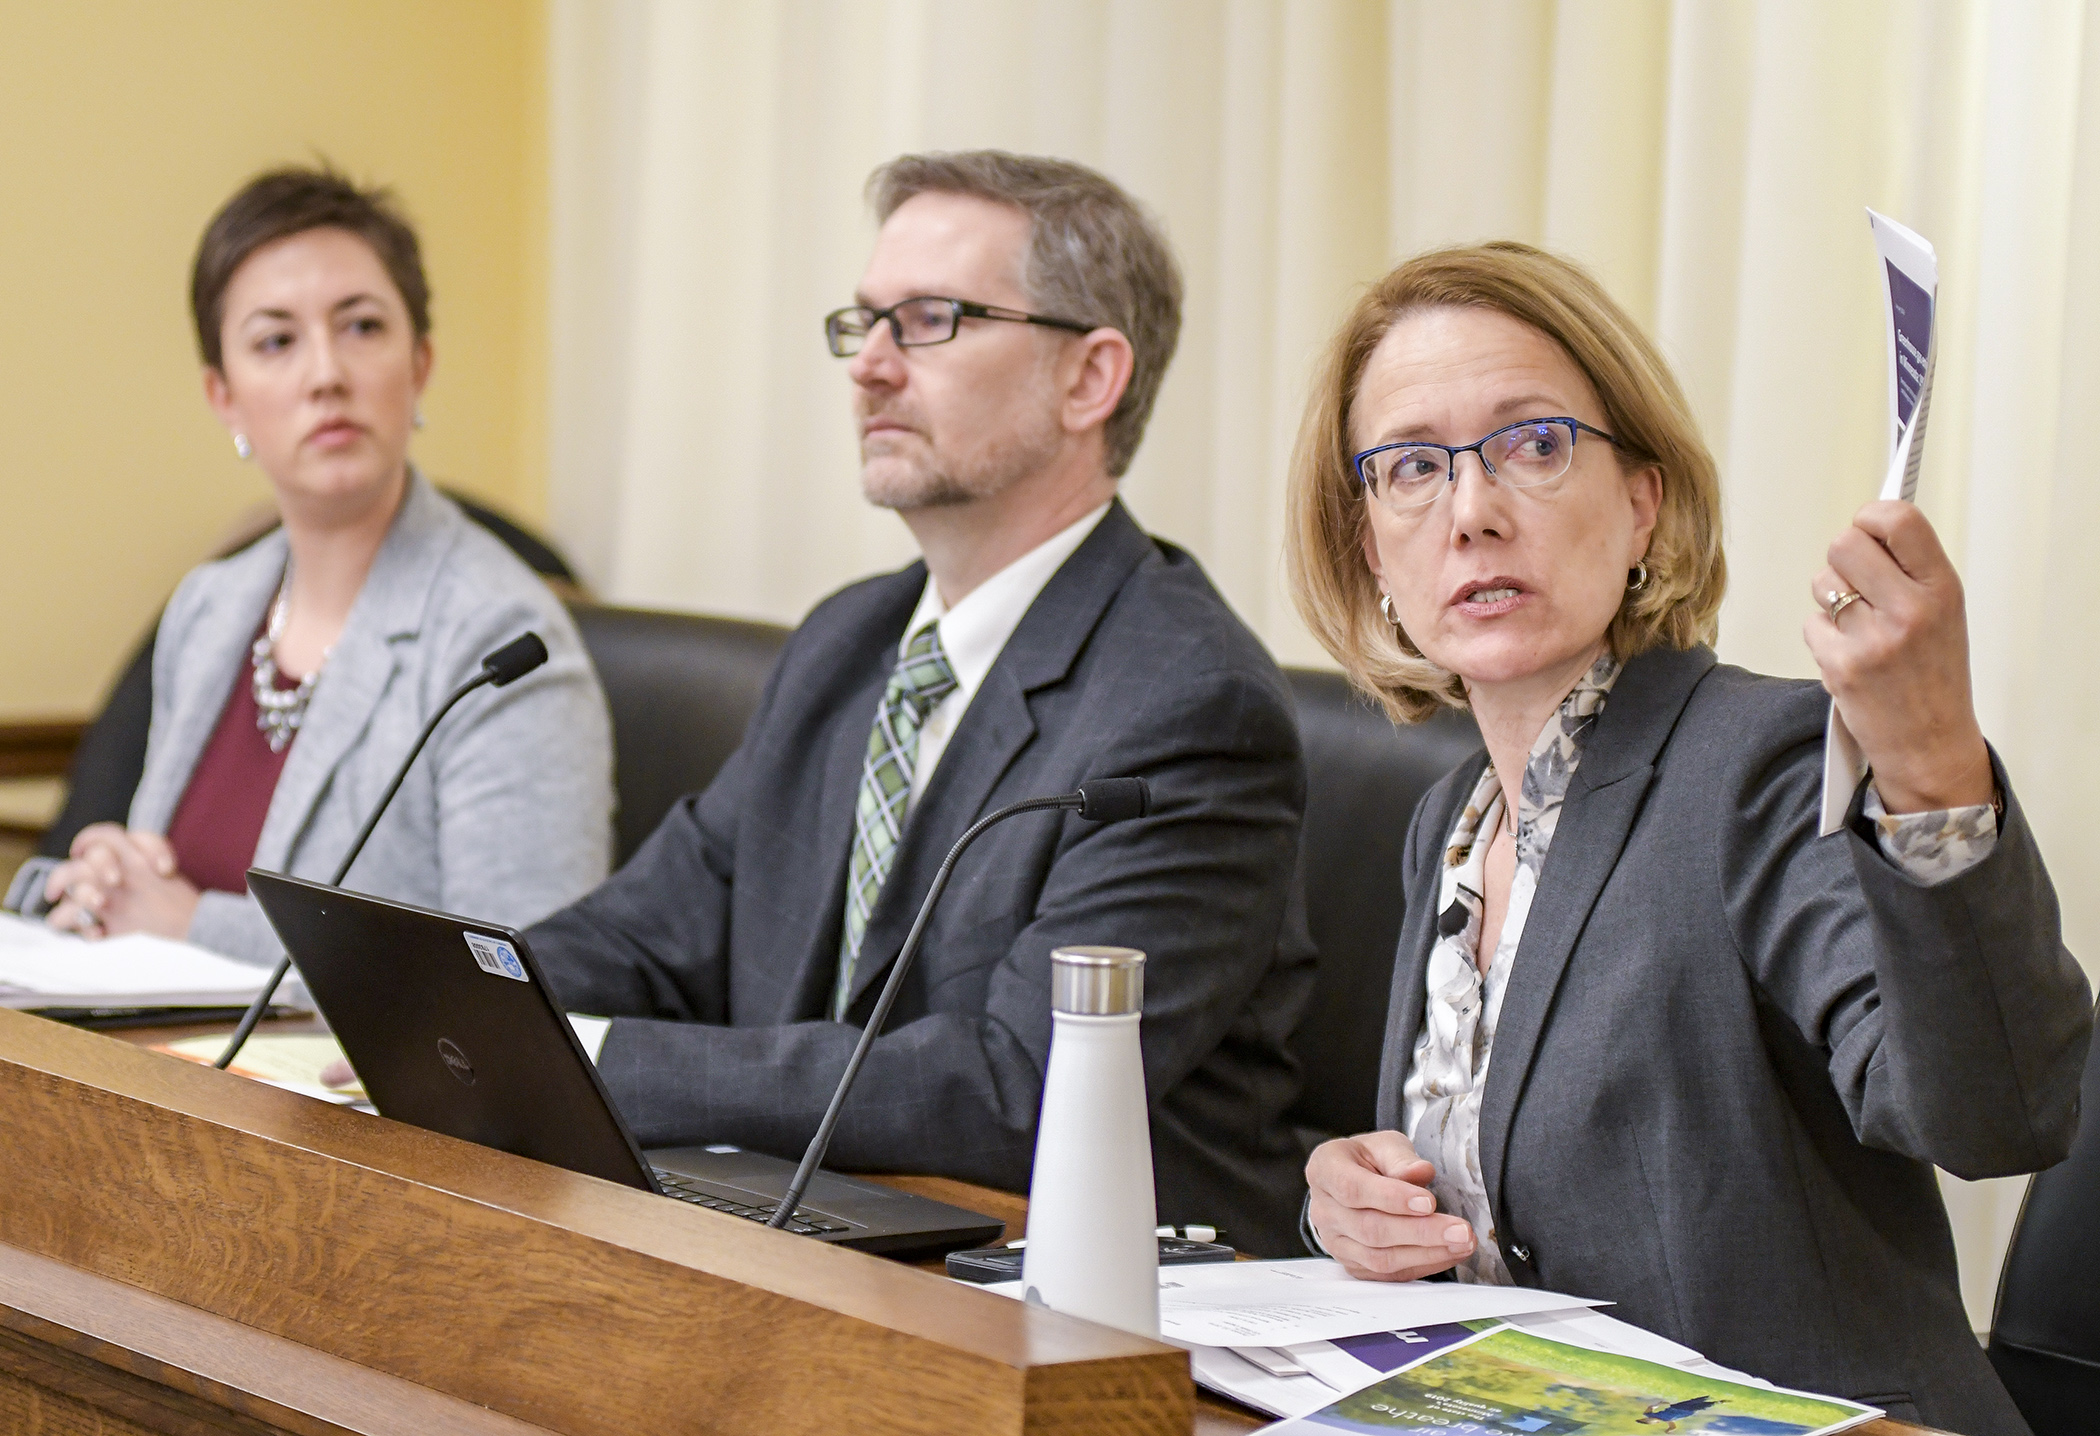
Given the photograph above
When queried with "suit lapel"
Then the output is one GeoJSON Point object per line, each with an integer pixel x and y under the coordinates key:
{"type": "Point", "coordinates": [998, 726]}
{"type": "Point", "coordinates": [358, 674]}
{"type": "Point", "coordinates": [847, 754]}
{"type": "Point", "coordinates": [993, 732]}
{"type": "Point", "coordinates": [215, 654]}
{"type": "Point", "coordinates": [1417, 939]}
{"type": "Point", "coordinates": [1596, 819]}
{"type": "Point", "coordinates": [360, 669]}
{"type": "Point", "coordinates": [867, 648]}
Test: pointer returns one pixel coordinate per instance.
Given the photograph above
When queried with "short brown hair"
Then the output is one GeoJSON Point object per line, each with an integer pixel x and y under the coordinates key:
{"type": "Point", "coordinates": [1644, 408]}
{"type": "Point", "coordinates": [285, 202]}
{"type": "Point", "coordinates": [1094, 256]}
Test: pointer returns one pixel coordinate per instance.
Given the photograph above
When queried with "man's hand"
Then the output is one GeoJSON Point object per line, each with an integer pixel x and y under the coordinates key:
{"type": "Point", "coordinates": [1375, 1214]}
{"type": "Point", "coordinates": [117, 881]}
{"type": "Point", "coordinates": [1896, 660]}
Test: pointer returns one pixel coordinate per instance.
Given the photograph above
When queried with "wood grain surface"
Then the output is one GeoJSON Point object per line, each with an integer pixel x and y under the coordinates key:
{"type": "Point", "coordinates": [489, 1251]}
{"type": "Point", "coordinates": [569, 1303]}
{"type": "Point", "coordinates": [39, 749]}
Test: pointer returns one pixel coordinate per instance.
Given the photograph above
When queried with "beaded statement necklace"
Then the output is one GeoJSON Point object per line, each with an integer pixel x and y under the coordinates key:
{"type": "Point", "coordinates": [280, 711]}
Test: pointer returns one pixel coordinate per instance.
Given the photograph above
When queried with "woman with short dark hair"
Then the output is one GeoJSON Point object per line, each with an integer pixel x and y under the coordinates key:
{"type": "Point", "coordinates": [291, 678]}
{"type": "Point", "coordinates": [1653, 1039]}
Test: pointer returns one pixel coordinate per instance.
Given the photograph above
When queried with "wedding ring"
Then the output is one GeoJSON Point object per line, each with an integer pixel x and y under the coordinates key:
{"type": "Point", "coordinates": [1836, 602]}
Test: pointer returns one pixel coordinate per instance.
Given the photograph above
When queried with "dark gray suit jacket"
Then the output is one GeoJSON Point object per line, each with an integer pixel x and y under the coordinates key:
{"type": "Point", "coordinates": [1730, 1051]}
{"type": "Point", "coordinates": [717, 944]}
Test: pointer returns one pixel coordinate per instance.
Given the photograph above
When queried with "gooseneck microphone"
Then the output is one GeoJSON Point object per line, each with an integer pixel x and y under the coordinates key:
{"type": "Point", "coordinates": [506, 665]}
{"type": "Point", "coordinates": [1098, 800]}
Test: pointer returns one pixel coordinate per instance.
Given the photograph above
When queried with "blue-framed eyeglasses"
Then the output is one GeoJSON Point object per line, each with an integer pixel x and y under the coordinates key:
{"type": "Point", "coordinates": [1523, 456]}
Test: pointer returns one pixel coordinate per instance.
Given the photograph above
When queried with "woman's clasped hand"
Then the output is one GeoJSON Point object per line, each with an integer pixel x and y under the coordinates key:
{"type": "Point", "coordinates": [117, 880]}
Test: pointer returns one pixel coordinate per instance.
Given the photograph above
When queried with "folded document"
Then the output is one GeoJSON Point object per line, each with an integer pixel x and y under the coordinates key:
{"type": "Point", "coordinates": [43, 968]}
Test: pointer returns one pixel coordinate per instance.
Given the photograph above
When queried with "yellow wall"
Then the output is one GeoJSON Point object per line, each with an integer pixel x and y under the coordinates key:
{"type": "Point", "coordinates": [126, 123]}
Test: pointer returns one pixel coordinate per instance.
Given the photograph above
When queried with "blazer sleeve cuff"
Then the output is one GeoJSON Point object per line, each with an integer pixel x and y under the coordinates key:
{"type": "Point", "coordinates": [233, 925]}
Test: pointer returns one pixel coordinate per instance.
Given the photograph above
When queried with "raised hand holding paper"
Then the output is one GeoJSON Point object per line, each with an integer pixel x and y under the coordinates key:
{"type": "Point", "coordinates": [1911, 289]}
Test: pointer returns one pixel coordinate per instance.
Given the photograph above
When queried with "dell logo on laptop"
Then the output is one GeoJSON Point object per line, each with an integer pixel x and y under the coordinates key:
{"type": "Point", "coordinates": [455, 1060]}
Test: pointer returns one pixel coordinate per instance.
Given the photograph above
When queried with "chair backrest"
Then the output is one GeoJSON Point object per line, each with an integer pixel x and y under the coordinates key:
{"type": "Point", "coordinates": [2045, 1336]}
{"type": "Point", "coordinates": [681, 688]}
{"type": "Point", "coordinates": [1363, 780]}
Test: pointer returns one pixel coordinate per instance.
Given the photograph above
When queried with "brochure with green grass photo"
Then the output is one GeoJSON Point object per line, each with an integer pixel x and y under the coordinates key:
{"type": "Point", "coordinates": [1509, 1382]}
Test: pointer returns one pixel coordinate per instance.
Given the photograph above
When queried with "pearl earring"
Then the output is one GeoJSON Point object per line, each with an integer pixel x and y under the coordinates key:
{"type": "Point", "coordinates": [242, 447]}
{"type": "Point", "coordinates": [417, 421]}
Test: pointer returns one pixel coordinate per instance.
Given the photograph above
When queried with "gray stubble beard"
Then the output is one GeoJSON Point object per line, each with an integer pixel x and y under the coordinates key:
{"type": "Point", "coordinates": [1008, 464]}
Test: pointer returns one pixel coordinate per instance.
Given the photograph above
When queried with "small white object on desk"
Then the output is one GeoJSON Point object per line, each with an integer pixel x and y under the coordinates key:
{"type": "Point", "coordinates": [1091, 1247]}
{"type": "Point", "coordinates": [40, 967]}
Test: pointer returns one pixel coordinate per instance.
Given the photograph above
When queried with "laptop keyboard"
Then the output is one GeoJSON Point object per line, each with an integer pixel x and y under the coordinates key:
{"type": "Point", "coordinates": [805, 1223]}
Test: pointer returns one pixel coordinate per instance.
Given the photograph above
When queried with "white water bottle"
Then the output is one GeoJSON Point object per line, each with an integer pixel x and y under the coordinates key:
{"type": "Point", "coordinates": [1092, 1250]}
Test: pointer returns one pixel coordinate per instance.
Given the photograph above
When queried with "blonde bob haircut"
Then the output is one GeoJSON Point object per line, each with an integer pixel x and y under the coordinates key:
{"type": "Point", "coordinates": [1643, 407]}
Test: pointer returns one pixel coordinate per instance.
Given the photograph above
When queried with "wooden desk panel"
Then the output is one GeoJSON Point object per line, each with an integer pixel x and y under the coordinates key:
{"type": "Point", "coordinates": [92, 1349]}
{"type": "Point", "coordinates": [87, 1341]}
{"type": "Point", "coordinates": [513, 1285]}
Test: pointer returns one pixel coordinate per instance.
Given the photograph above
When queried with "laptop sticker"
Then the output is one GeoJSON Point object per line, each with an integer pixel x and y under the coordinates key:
{"type": "Point", "coordinates": [493, 954]}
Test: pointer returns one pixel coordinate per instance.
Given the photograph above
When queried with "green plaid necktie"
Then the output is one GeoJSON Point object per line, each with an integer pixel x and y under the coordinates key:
{"type": "Point", "coordinates": [922, 679]}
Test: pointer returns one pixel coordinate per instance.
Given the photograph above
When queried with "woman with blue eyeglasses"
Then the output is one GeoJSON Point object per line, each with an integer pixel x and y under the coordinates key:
{"type": "Point", "coordinates": [1653, 1037]}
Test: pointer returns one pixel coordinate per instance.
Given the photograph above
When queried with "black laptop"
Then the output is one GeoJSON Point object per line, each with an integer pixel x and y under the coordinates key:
{"type": "Point", "coordinates": [451, 1028]}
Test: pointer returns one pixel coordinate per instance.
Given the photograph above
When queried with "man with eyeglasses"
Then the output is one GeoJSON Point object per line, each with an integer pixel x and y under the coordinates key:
{"type": "Point", "coordinates": [1006, 344]}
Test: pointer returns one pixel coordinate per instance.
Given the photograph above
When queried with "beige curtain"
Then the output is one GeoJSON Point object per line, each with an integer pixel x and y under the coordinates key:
{"type": "Point", "coordinates": [1711, 159]}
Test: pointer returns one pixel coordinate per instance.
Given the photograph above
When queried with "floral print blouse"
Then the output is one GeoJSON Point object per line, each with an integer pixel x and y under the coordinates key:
{"type": "Point", "coordinates": [1447, 1075]}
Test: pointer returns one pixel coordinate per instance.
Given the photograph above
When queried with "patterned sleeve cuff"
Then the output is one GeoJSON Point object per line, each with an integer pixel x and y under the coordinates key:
{"type": "Point", "coordinates": [1933, 847]}
{"type": "Point", "coordinates": [1306, 1233]}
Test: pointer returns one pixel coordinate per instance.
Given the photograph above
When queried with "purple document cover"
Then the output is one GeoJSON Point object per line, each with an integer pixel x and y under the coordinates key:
{"type": "Point", "coordinates": [1387, 1351]}
{"type": "Point", "coordinates": [1912, 309]}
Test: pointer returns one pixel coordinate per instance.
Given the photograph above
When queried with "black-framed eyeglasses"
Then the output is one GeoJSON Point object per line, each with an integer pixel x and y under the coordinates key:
{"type": "Point", "coordinates": [1523, 455]}
{"type": "Point", "coordinates": [923, 319]}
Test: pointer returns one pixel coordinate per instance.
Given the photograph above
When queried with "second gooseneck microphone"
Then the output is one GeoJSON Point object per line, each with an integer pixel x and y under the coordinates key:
{"type": "Point", "coordinates": [1098, 800]}
{"type": "Point", "coordinates": [506, 665]}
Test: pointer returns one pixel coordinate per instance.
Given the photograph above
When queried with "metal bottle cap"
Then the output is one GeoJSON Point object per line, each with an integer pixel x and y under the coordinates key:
{"type": "Point", "coordinates": [1097, 981]}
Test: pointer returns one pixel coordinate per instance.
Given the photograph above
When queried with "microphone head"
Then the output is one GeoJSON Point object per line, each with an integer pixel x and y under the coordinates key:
{"type": "Point", "coordinates": [1111, 800]}
{"type": "Point", "coordinates": [514, 659]}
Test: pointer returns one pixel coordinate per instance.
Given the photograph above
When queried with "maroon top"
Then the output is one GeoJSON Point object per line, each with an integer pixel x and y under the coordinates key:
{"type": "Point", "coordinates": [221, 813]}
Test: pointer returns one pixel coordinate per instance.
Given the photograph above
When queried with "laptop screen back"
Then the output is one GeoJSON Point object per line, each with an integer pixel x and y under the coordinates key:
{"type": "Point", "coordinates": [449, 1027]}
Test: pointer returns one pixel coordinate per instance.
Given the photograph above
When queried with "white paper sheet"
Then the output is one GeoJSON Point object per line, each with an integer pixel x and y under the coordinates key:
{"type": "Point", "coordinates": [1280, 1303]}
{"type": "Point", "coordinates": [1219, 1369]}
{"type": "Point", "coordinates": [43, 968]}
{"type": "Point", "coordinates": [1910, 295]}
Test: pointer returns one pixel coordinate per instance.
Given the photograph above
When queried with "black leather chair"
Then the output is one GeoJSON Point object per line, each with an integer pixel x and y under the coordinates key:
{"type": "Point", "coordinates": [681, 688]}
{"type": "Point", "coordinates": [1363, 780]}
{"type": "Point", "coordinates": [2045, 1335]}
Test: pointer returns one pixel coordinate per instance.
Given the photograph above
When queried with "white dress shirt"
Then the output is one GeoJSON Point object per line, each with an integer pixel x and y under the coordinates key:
{"type": "Point", "coordinates": [972, 635]}
{"type": "Point", "coordinates": [975, 631]}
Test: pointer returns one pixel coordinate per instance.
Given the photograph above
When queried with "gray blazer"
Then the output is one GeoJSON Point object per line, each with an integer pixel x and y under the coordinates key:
{"type": "Point", "coordinates": [716, 946]}
{"type": "Point", "coordinates": [508, 812]}
{"type": "Point", "coordinates": [1731, 1051]}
